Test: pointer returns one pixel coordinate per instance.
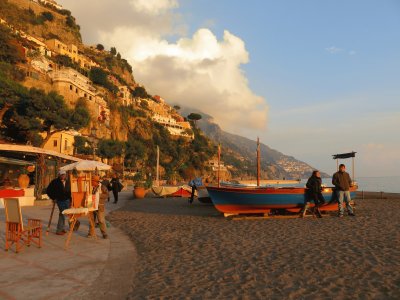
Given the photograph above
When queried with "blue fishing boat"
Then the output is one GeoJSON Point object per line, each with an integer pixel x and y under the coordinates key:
{"type": "Point", "coordinates": [247, 200]}
{"type": "Point", "coordinates": [242, 199]}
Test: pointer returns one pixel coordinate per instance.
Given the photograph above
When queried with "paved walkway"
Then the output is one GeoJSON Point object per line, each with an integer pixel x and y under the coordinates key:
{"type": "Point", "coordinates": [100, 269]}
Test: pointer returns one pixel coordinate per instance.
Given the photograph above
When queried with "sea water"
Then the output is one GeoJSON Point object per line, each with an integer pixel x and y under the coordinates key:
{"type": "Point", "coordinates": [389, 184]}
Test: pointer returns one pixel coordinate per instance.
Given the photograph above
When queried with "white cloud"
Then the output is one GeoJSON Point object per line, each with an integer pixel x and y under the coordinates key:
{"type": "Point", "coordinates": [198, 71]}
{"type": "Point", "coordinates": [153, 7]}
{"type": "Point", "coordinates": [334, 50]}
{"type": "Point", "coordinates": [337, 50]}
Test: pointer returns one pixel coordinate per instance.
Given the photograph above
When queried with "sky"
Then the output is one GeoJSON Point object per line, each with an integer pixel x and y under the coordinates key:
{"type": "Point", "coordinates": [311, 78]}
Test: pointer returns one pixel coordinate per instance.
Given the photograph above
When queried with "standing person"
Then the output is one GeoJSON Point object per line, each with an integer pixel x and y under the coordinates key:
{"type": "Point", "coordinates": [107, 184]}
{"type": "Point", "coordinates": [342, 182]}
{"type": "Point", "coordinates": [100, 214]}
{"type": "Point", "coordinates": [59, 190]}
{"type": "Point", "coordinates": [315, 191]}
{"type": "Point", "coordinates": [116, 187]}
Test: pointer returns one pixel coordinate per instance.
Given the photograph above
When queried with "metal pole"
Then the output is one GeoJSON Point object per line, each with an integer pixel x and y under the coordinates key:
{"type": "Point", "coordinates": [353, 171]}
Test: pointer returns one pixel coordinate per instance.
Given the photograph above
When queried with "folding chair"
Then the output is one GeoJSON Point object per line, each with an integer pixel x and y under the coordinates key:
{"type": "Point", "coordinates": [16, 232]}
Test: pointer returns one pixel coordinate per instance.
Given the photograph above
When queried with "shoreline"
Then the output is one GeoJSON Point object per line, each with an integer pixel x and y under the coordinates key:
{"type": "Point", "coordinates": [192, 251]}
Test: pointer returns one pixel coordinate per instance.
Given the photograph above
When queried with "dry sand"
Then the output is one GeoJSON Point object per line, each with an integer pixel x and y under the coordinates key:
{"type": "Point", "coordinates": [192, 251]}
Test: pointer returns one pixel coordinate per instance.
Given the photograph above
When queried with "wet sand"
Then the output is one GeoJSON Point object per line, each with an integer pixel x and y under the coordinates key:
{"type": "Point", "coordinates": [192, 251]}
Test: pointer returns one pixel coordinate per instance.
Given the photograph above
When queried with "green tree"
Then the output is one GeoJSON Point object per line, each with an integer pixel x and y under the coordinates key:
{"type": "Point", "coordinates": [80, 145]}
{"type": "Point", "coordinates": [177, 107]}
{"type": "Point", "coordinates": [118, 56]}
{"type": "Point", "coordinates": [194, 117]}
{"type": "Point", "coordinates": [113, 51]}
{"type": "Point", "coordinates": [100, 47]}
{"type": "Point", "coordinates": [100, 77]}
{"type": "Point", "coordinates": [47, 16]}
{"type": "Point", "coordinates": [140, 92]}
{"type": "Point", "coordinates": [32, 112]}
{"type": "Point", "coordinates": [64, 60]}
{"type": "Point", "coordinates": [8, 50]}
{"type": "Point", "coordinates": [110, 148]}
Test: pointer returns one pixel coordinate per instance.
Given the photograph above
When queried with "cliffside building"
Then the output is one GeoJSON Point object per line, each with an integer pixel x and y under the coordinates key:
{"type": "Point", "coordinates": [72, 52]}
{"type": "Point", "coordinates": [62, 142]}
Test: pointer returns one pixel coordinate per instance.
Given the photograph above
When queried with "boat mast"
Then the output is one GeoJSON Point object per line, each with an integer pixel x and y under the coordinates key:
{"type": "Point", "coordinates": [219, 162]}
{"type": "Point", "coordinates": [158, 167]}
{"type": "Point", "coordinates": [258, 161]}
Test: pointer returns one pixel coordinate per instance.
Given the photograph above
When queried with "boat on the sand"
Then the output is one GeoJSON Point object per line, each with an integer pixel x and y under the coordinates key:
{"type": "Point", "coordinates": [249, 200]}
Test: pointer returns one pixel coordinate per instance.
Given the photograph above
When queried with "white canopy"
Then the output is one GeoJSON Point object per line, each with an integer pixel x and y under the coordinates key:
{"type": "Point", "coordinates": [86, 165]}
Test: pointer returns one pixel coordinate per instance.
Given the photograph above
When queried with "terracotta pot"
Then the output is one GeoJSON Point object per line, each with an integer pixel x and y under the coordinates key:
{"type": "Point", "coordinates": [139, 192]}
{"type": "Point", "coordinates": [23, 181]}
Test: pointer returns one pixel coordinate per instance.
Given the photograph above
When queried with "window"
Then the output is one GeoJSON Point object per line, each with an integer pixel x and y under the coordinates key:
{"type": "Point", "coordinates": [70, 87]}
{"type": "Point", "coordinates": [90, 97]}
{"type": "Point", "coordinates": [55, 143]}
{"type": "Point", "coordinates": [76, 90]}
{"type": "Point", "coordinates": [66, 145]}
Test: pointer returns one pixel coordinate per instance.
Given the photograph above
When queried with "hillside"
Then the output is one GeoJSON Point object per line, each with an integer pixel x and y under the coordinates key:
{"type": "Point", "coordinates": [91, 92]}
{"type": "Point", "coordinates": [240, 152]}
{"type": "Point", "coordinates": [51, 83]}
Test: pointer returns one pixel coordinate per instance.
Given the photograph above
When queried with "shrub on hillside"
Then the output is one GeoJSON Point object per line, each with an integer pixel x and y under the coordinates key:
{"type": "Point", "coordinates": [99, 76]}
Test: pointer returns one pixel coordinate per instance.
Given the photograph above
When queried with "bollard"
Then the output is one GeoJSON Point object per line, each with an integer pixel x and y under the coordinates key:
{"type": "Point", "coordinates": [381, 195]}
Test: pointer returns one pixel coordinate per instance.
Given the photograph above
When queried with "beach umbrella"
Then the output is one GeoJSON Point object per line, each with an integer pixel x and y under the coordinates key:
{"type": "Point", "coordinates": [86, 165]}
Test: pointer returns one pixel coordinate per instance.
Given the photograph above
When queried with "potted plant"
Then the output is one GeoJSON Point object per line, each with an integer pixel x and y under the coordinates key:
{"type": "Point", "coordinates": [139, 190]}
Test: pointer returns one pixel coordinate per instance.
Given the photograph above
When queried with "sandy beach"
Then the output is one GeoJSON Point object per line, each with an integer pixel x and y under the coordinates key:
{"type": "Point", "coordinates": [192, 251]}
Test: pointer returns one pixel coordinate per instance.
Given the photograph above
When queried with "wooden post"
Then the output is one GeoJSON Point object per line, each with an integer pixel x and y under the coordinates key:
{"type": "Point", "coordinates": [353, 171]}
{"type": "Point", "coordinates": [258, 161]}
{"type": "Point", "coordinates": [337, 164]}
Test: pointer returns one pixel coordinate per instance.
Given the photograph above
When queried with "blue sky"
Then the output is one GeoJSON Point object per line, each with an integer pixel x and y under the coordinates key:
{"type": "Point", "coordinates": [311, 78]}
{"type": "Point", "coordinates": [304, 54]}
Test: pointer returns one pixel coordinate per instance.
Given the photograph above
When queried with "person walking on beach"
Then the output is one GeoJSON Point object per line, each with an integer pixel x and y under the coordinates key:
{"type": "Point", "coordinates": [315, 191]}
{"type": "Point", "coordinates": [116, 187]}
{"type": "Point", "coordinates": [342, 182]}
{"type": "Point", "coordinates": [59, 190]}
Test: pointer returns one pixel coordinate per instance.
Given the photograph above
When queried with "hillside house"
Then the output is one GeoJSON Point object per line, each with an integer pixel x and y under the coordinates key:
{"type": "Point", "coordinates": [72, 85]}
{"type": "Point", "coordinates": [62, 142]}
{"type": "Point", "coordinates": [51, 3]}
{"type": "Point", "coordinates": [174, 128]}
{"type": "Point", "coordinates": [125, 95]}
{"type": "Point", "coordinates": [72, 52]}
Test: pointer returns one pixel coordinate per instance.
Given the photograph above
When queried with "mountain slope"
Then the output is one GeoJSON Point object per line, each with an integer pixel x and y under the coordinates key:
{"type": "Point", "coordinates": [240, 152]}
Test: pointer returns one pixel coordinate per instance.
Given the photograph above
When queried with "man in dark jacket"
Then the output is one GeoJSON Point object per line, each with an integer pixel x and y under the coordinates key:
{"type": "Point", "coordinates": [314, 186]}
{"type": "Point", "coordinates": [116, 187]}
{"type": "Point", "coordinates": [59, 190]}
{"type": "Point", "coordinates": [342, 182]}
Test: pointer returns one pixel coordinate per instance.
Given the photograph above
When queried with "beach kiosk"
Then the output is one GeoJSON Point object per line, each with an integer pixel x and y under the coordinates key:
{"type": "Point", "coordinates": [85, 192]}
